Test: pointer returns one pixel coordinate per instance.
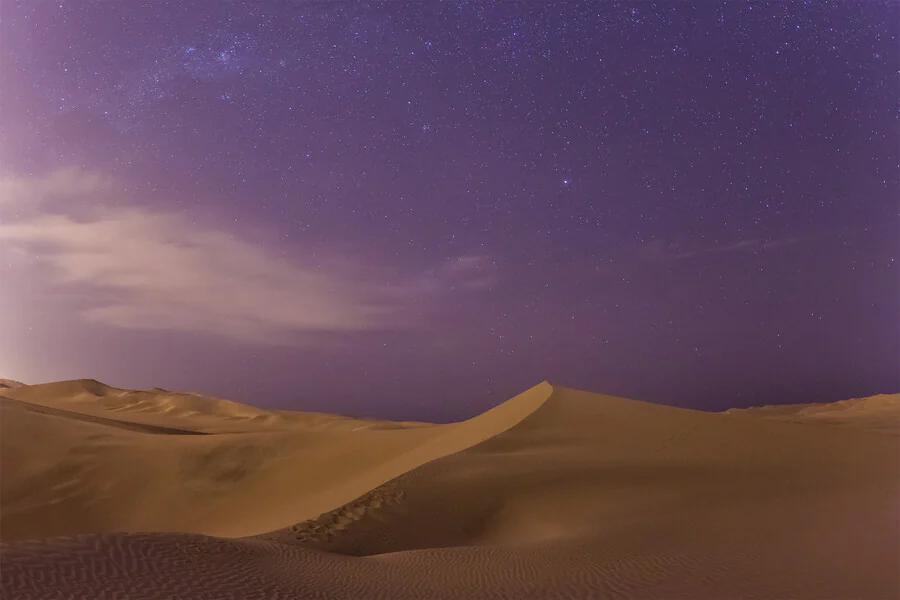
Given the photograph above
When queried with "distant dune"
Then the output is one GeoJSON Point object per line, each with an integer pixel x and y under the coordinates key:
{"type": "Point", "coordinates": [555, 493]}
{"type": "Point", "coordinates": [875, 413]}
{"type": "Point", "coordinates": [10, 383]}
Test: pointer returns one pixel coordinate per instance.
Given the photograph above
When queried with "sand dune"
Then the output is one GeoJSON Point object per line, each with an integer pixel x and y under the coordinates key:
{"type": "Point", "coordinates": [10, 383]}
{"type": "Point", "coordinates": [191, 411]}
{"type": "Point", "coordinates": [875, 413]}
{"type": "Point", "coordinates": [241, 478]}
{"type": "Point", "coordinates": [154, 407]}
{"type": "Point", "coordinates": [553, 494]}
{"type": "Point", "coordinates": [10, 403]}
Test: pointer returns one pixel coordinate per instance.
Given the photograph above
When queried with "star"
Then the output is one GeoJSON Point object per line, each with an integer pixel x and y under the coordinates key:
{"type": "Point", "coordinates": [314, 169]}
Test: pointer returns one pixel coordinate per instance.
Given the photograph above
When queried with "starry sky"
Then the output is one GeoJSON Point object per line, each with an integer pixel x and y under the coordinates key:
{"type": "Point", "coordinates": [418, 210]}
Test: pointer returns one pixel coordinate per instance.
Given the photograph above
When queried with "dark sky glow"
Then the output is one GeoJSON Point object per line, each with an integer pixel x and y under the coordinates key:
{"type": "Point", "coordinates": [418, 210]}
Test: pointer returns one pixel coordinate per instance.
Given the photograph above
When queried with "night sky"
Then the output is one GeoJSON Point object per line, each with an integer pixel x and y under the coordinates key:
{"type": "Point", "coordinates": [418, 210]}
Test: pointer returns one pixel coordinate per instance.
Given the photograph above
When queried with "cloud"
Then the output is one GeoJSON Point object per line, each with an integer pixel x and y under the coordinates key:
{"type": "Point", "coordinates": [471, 272]}
{"type": "Point", "coordinates": [665, 251]}
{"type": "Point", "coordinates": [149, 269]}
{"type": "Point", "coordinates": [20, 193]}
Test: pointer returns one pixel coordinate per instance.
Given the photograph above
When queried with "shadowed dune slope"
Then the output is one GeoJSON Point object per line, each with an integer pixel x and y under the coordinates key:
{"type": "Point", "coordinates": [68, 469]}
{"type": "Point", "coordinates": [582, 496]}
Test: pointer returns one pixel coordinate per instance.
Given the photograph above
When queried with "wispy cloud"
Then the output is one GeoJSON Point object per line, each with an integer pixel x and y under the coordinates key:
{"type": "Point", "coordinates": [148, 269]}
{"type": "Point", "coordinates": [471, 272]}
{"type": "Point", "coordinates": [23, 193]}
{"type": "Point", "coordinates": [662, 250]}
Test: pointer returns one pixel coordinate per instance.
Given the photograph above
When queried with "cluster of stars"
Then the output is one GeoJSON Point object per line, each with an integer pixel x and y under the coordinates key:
{"type": "Point", "coordinates": [635, 166]}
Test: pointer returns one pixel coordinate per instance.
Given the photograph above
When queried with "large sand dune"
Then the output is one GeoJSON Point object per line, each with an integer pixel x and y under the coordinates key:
{"type": "Point", "coordinates": [553, 494]}
{"type": "Point", "coordinates": [81, 457]}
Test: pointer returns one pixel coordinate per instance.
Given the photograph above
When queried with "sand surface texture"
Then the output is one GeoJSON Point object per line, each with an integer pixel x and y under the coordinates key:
{"type": "Point", "coordinates": [554, 494]}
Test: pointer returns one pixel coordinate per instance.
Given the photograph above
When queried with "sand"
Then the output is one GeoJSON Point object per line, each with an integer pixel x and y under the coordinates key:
{"type": "Point", "coordinates": [875, 413]}
{"type": "Point", "coordinates": [555, 493]}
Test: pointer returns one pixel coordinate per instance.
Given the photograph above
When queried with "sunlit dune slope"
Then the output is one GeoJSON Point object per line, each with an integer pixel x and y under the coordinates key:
{"type": "Point", "coordinates": [79, 457]}
{"type": "Point", "coordinates": [10, 383]}
{"type": "Point", "coordinates": [554, 494]}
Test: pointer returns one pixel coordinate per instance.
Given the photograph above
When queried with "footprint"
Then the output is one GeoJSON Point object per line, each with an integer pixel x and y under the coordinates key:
{"type": "Point", "coordinates": [327, 525]}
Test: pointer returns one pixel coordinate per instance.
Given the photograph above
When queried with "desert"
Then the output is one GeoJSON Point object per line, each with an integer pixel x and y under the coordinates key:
{"type": "Point", "coordinates": [555, 493]}
{"type": "Point", "coordinates": [470, 300]}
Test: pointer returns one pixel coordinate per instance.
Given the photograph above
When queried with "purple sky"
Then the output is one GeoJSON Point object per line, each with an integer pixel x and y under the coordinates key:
{"type": "Point", "coordinates": [419, 210]}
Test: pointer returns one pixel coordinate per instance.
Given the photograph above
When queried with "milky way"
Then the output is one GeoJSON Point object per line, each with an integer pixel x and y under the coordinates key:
{"type": "Point", "coordinates": [416, 211]}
